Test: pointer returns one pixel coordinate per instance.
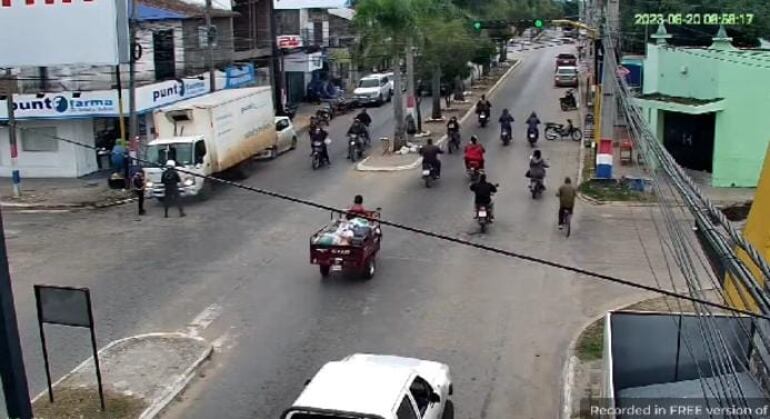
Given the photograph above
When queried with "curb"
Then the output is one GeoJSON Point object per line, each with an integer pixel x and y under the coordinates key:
{"type": "Point", "coordinates": [64, 206]}
{"type": "Point", "coordinates": [364, 168]}
{"type": "Point", "coordinates": [156, 406]}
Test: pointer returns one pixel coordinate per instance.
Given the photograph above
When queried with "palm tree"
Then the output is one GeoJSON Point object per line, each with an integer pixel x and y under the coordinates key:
{"type": "Point", "coordinates": [387, 25]}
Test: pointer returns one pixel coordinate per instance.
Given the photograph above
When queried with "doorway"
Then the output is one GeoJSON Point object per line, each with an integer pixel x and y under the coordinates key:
{"type": "Point", "coordinates": [163, 54]}
{"type": "Point", "coordinates": [690, 139]}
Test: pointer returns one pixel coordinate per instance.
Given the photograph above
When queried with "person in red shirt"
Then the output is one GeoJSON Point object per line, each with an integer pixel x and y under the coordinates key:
{"type": "Point", "coordinates": [474, 152]}
{"type": "Point", "coordinates": [358, 208]}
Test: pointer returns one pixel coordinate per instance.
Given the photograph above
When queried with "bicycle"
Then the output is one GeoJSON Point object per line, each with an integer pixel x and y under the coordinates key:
{"type": "Point", "coordinates": [567, 222]}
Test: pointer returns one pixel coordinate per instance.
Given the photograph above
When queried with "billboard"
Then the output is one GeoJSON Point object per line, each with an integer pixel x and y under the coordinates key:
{"type": "Point", "coordinates": [310, 4]}
{"type": "Point", "coordinates": [40, 33]}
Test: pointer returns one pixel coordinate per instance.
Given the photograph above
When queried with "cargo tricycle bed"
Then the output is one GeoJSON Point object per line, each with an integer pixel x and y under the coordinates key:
{"type": "Point", "coordinates": [349, 245]}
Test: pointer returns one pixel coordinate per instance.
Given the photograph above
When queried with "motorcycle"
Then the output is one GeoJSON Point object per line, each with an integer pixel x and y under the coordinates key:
{"type": "Point", "coordinates": [454, 141]}
{"type": "Point", "coordinates": [474, 171]}
{"type": "Point", "coordinates": [355, 151]}
{"type": "Point", "coordinates": [316, 156]}
{"type": "Point", "coordinates": [536, 187]}
{"type": "Point", "coordinates": [505, 136]}
{"type": "Point", "coordinates": [532, 134]}
{"type": "Point", "coordinates": [483, 119]}
{"type": "Point", "coordinates": [568, 101]}
{"type": "Point", "coordinates": [429, 174]}
{"type": "Point", "coordinates": [554, 131]}
{"type": "Point", "coordinates": [483, 217]}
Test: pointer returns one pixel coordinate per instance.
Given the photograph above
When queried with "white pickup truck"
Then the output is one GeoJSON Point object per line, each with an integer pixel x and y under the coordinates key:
{"type": "Point", "coordinates": [364, 386]}
{"type": "Point", "coordinates": [214, 133]}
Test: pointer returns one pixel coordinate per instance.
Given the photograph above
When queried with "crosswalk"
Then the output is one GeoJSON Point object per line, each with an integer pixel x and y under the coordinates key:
{"type": "Point", "coordinates": [527, 45]}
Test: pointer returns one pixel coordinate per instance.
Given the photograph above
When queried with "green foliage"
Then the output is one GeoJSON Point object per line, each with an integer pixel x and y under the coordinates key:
{"type": "Point", "coordinates": [384, 27]}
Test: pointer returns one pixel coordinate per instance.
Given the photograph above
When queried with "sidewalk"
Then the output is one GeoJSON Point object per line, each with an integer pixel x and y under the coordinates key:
{"type": "Point", "coordinates": [141, 375]}
{"type": "Point", "coordinates": [379, 162]}
{"type": "Point", "coordinates": [62, 193]}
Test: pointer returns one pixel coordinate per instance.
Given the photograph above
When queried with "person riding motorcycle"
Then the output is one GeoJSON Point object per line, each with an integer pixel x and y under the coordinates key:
{"type": "Point", "coordinates": [532, 125]}
{"type": "Point", "coordinates": [452, 126]}
{"type": "Point", "coordinates": [313, 124]}
{"type": "Point", "coordinates": [364, 117]}
{"type": "Point", "coordinates": [319, 135]}
{"type": "Point", "coordinates": [537, 166]}
{"type": "Point", "coordinates": [474, 152]}
{"type": "Point", "coordinates": [506, 121]}
{"type": "Point", "coordinates": [483, 106]}
{"type": "Point", "coordinates": [483, 191]}
{"type": "Point", "coordinates": [430, 154]}
{"type": "Point", "coordinates": [359, 129]}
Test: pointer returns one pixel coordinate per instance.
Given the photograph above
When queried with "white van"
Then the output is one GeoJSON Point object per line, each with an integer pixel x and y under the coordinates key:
{"type": "Point", "coordinates": [374, 88]}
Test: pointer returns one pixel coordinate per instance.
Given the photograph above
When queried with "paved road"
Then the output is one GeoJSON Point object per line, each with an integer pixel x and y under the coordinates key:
{"type": "Point", "coordinates": [236, 272]}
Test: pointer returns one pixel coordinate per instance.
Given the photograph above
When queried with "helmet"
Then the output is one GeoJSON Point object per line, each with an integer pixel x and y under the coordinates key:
{"type": "Point", "coordinates": [170, 163]}
{"type": "Point", "coordinates": [474, 139]}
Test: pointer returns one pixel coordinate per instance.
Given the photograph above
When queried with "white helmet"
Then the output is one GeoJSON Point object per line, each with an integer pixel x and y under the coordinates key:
{"type": "Point", "coordinates": [170, 163]}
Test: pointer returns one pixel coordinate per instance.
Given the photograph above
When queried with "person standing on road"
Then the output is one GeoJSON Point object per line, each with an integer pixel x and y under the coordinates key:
{"type": "Point", "coordinates": [138, 184]}
{"type": "Point", "coordinates": [171, 180]}
{"type": "Point", "coordinates": [566, 196]}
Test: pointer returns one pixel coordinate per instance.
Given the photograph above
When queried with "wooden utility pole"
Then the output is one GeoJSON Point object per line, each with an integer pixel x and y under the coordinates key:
{"type": "Point", "coordinates": [210, 37]}
{"type": "Point", "coordinates": [133, 123]}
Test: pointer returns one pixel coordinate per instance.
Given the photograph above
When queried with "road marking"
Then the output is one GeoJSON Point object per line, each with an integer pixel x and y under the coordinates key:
{"type": "Point", "coordinates": [204, 319]}
{"type": "Point", "coordinates": [224, 342]}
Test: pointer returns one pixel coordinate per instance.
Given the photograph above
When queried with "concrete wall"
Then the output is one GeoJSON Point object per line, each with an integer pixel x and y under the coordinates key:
{"type": "Point", "coordinates": [68, 161]}
{"type": "Point", "coordinates": [742, 131]}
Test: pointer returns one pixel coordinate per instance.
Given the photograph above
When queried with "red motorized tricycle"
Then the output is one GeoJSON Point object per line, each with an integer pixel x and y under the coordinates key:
{"type": "Point", "coordinates": [347, 244]}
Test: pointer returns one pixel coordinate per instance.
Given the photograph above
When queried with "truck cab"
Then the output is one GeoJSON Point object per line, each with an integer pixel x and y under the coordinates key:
{"type": "Point", "coordinates": [364, 386]}
{"type": "Point", "coordinates": [190, 155]}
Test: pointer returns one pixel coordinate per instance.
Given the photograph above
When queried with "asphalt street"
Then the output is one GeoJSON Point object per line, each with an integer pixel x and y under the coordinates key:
{"type": "Point", "coordinates": [236, 271]}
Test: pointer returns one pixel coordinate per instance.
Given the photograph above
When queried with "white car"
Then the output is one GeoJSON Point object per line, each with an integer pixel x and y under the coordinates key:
{"type": "Point", "coordinates": [374, 88]}
{"type": "Point", "coordinates": [285, 138]}
{"type": "Point", "coordinates": [364, 386]}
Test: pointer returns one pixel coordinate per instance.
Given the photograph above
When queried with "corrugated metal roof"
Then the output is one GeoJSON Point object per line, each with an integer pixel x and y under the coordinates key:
{"type": "Point", "coordinates": [149, 13]}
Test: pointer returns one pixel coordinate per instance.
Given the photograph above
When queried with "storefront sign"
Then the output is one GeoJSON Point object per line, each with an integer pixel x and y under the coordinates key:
{"type": "Point", "coordinates": [102, 103]}
{"type": "Point", "coordinates": [240, 76]}
{"type": "Point", "coordinates": [289, 41]}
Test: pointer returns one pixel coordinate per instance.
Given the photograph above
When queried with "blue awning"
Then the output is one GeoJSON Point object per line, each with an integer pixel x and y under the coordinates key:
{"type": "Point", "coordinates": [149, 13]}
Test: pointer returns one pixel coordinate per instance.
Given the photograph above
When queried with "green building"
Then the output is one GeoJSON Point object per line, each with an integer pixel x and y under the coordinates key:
{"type": "Point", "coordinates": [709, 106]}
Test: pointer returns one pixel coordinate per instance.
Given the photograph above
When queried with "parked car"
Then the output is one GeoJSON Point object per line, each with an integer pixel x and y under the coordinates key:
{"type": "Point", "coordinates": [566, 60]}
{"type": "Point", "coordinates": [566, 76]}
{"type": "Point", "coordinates": [365, 386]}
{"type": "Point", "coordinates": [374, 88]}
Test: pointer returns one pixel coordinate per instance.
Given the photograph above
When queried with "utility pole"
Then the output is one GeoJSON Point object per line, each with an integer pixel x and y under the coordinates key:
{"type": "Point", "coordinates": [12, 134]}
{"type": "Point", "coordinates": [410, 100]}
{"type": "Point", "coordinates": [12, 372]}
{"type": "Point", "coordinates": [276, 67]}
{"type": "Point", "coordinates": [210, 36]}
{"type": "Point", "coordinates": [133, 123]}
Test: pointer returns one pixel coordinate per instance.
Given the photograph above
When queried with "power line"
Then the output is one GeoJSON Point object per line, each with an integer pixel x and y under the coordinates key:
{"type": "Point", "coordinates": [446, 238]}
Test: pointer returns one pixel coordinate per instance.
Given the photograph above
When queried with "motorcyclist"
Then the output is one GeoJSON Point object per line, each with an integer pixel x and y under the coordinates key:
{"type": "Point", "coordinates": [483, 106]}
{"type": "Point", "coordinates": [452, 126]}
{"type": "Point", "coordinates": [483, 191]}
{"type": "Point", "coordinates": [474, 152]}
{"type": "Point", "coordinates": [364, 117]}
{"type": "Point", "coordinates": [313, 124]}
{"type": "Point", "coordinates": [506, 121]}
{"type": "Point", "coordinates": [533, 123]}
{"type": "Point", "coordinates": [359, 129]}
{"type": "Point", "coordinates": [320, 135]}
{"type": "Point", "coordinates": [537, 166]}
{"type": "Point", "coordinates": [430, 154]}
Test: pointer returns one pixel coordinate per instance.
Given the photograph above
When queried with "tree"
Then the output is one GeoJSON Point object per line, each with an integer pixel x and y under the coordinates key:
{"type": "Point", "coordinates": [386, 26]}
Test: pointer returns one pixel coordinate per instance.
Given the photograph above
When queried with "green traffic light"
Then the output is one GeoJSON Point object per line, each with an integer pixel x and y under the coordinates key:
{"type": "Point", "coordinates": [538, 23]}
{"type": "Point", "coordinates": [477, 25]}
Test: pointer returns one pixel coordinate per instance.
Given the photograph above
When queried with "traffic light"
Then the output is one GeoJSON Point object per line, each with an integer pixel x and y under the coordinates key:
{"type": "Point", "coordinates": [478, 25]}
{"type": "Point", "coordinates": [539, 23]}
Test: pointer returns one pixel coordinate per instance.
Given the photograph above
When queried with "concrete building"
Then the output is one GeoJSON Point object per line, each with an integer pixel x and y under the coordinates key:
{"type": "Point", "coordinates": [708, 108]}
{"type": "Point", "coordinates": [81, 102]}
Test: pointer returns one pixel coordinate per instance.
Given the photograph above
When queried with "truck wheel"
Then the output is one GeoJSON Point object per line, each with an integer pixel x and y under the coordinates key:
{"type": "Point", "coordinates": [370, 268]}
{"type": "Point", "coordinates": [325, 269]}
{"type": "Point", "coordinates": [449, 410]}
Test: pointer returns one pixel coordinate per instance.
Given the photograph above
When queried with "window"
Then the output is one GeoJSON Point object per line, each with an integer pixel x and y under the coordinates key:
{"type": "Point", "coordinates": [384, 81]}
{"type": "Point", "coordinates": [39, 139]}
{"type": "Point", "coordinates": [181, 153]}
{"type": "Point", "coordinates": [163, 54]}
{"type": "Point", "coordinates": [421, 392]}
{"type": "Point", "coordinates": [200, 152]}
{"type": "Point", "coordinates": [368, 83]}
{"type": "Point", "coordinates": [281, 125]}
{"type": "Point", "coordinates": [406, 411]}
{"type": "Point", "coordinates": [203, 37]}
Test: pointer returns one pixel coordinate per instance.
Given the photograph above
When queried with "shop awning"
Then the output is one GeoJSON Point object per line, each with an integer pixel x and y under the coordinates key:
{"type": "Point", "coordinates": [680, 104]}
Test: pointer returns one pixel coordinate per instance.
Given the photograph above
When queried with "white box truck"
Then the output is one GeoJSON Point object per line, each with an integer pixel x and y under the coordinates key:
{"type": "Point", "coordinates": [213, 133]}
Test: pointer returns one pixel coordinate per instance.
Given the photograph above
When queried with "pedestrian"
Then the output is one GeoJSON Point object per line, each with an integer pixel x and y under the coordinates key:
{"type": "Point", "coordinates": [171, 180]}
{"type": "Point", "coordinates": [566, 194]}
{"type": "Point", "coordinates": [137, 184]}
